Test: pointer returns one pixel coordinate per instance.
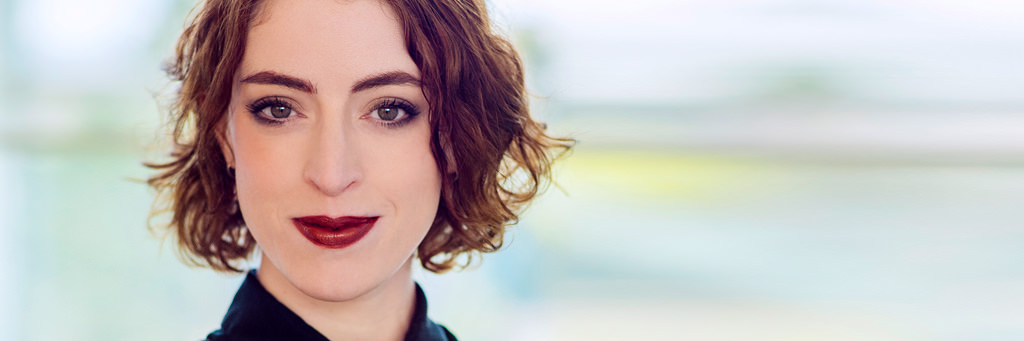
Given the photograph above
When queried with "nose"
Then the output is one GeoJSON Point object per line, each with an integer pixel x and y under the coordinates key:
{"type": "Point", "coordinates": [333, 164]}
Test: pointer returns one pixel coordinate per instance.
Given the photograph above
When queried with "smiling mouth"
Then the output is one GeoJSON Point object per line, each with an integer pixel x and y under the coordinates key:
{"type": "Point", "coordinates": [334, 233]}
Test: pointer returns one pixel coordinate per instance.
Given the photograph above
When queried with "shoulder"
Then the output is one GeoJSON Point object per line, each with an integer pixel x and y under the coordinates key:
{"type": "Point", "coordinates": [448, 334]}
{"type": "Point", "coordinates": [422, 328]}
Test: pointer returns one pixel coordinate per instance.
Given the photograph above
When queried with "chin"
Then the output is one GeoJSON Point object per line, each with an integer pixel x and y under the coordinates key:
{"type": "Point", "coordinates": [378, 260]}
{"type": "Point", "coordinates": [344, 282]}
{"type": "Point", "coordinates": [334, 293]}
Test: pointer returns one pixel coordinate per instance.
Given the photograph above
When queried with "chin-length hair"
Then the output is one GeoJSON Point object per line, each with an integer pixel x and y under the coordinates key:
{"type": "Point", "coordinates": [493, 156]}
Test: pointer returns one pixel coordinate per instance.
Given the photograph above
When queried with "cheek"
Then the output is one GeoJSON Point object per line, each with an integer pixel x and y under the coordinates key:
{"type": "Point", "coordinates": [422, 188]}
{"type": "Point", "coordinates": [411, 178]}
{"type": "Point", "coordinates": [264, 166]}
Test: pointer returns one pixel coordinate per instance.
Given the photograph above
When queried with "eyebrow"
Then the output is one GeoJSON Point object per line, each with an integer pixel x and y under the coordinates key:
{"type": "Point", "coordinates": [273, 78]}
{"type": "Point", "coordinates": [370, 82]}
{"type": "Point", "coordinates": [384, 79]}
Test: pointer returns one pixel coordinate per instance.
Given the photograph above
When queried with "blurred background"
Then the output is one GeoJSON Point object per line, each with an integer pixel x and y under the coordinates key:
{"type": "Point", "coordinates": [746, 170]}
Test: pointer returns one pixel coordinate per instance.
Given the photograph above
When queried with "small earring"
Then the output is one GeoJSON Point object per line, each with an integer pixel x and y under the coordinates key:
{"type": "Point", "coordinates": [234, 204]}
{"type": "Point", "coordinates": [234, 194]}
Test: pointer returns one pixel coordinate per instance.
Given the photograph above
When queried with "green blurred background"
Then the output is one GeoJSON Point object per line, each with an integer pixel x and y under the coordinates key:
{"type": "Point", "coordinates": [747, 170]}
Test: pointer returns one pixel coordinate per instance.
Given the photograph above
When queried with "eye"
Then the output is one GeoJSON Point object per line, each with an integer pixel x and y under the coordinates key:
{"type": "Point", "coordinates": [272, 110]}
{"type": "Point", "coordinates": [389, 113]}
{"type": "Point", "coordinates": [393, 112]}
{"type": "Point", "coordinates": [277, 111]}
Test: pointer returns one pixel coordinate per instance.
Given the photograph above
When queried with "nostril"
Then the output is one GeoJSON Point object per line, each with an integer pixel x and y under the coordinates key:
{"type": "Point", "coordinates": [333, 179]}
{"type": "Point", "coordinates": [333, 162]}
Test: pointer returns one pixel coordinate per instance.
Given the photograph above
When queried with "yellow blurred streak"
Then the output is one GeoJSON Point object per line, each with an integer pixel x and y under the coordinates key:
{"type": "Point", "coordinates": [653, 173]}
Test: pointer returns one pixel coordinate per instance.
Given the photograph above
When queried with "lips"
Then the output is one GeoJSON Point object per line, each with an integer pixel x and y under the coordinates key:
{"type": "Point", "coordinates": [334, 233]}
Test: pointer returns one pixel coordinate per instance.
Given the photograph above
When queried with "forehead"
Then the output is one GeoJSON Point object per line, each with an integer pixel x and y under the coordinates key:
{"type": "Point", "coordinates": [326, 40]}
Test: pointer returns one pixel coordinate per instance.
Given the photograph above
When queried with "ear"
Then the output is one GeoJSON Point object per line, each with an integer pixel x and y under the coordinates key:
{"type": "Point", "coordinates": [223, 135]}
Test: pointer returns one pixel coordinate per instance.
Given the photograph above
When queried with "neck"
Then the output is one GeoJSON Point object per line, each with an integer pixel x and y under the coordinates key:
{"type": "Point", "coordinates": [370, 316]}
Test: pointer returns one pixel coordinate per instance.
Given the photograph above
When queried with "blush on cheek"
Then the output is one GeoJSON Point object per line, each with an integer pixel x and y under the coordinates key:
{"type": "Point", "coordinates": [264, 169]}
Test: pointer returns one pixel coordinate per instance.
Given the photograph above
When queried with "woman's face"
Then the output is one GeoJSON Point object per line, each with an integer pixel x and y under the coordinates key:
{"type": "Point", "coordinates": [327, 120]}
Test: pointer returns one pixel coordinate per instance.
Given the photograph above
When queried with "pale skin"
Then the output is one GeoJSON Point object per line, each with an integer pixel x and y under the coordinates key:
{"type": "Point", "coordinates": [322, 121]}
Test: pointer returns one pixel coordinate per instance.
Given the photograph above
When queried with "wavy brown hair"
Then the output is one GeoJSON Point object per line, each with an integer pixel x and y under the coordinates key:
{"type": "Point", "coordinates": [495, 157]}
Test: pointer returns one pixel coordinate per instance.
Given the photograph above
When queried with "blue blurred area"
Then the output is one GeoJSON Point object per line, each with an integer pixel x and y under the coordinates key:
{"type": "Point", "coordinates": [780, 169]}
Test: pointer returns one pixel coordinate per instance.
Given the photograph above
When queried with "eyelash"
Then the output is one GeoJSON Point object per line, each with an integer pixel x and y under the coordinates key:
{"type": "Point", "coordinates": [256, 109]}
{"type": "Point", "coordinates": [411, 111]}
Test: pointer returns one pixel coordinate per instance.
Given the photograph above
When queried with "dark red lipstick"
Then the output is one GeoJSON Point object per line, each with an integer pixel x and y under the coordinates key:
{"type": "Point", "coordinates": [334, 233]}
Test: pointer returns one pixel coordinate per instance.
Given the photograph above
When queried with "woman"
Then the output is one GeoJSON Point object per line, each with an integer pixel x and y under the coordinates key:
{"type": "Point", "coordinates": [346, 139]}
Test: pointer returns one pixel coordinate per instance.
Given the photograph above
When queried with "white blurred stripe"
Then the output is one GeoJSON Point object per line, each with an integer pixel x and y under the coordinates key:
{"type": "Point", "coordinates": [9, 194]}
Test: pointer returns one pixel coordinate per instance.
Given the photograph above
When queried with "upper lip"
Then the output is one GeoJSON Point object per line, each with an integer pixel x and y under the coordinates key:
{"type": "Point", "coordinates": [333, 223]}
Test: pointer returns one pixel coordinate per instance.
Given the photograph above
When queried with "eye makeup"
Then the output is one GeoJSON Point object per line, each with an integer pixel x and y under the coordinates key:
{"type": "Point", "coordinates": [404, 112]}
{"type": "Point", "coordinates": [277, 110]}
{"type": "Point", "coordinates": [267, 110]}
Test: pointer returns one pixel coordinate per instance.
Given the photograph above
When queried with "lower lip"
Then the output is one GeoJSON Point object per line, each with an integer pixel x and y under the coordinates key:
{"type": "Point", "coordinates": [334, 238]}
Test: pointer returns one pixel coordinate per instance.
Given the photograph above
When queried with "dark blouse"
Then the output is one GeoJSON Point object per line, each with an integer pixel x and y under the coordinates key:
{"type": "Point", "coordinates": [256, 315]}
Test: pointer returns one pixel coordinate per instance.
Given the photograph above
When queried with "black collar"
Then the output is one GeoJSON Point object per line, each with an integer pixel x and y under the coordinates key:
{"type": "Point", "coordinates": [256, 315]}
